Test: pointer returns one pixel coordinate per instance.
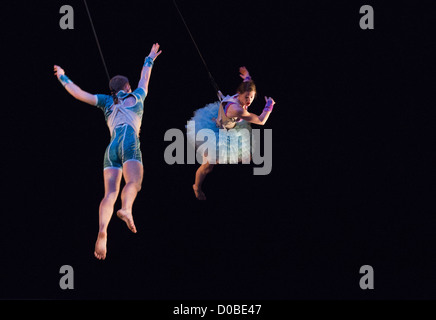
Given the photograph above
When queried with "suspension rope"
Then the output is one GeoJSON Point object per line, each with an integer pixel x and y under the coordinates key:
{"type": "Point", "coordinates": [96, 39]}
{"type": "Point", "coordinates": [214, 84]}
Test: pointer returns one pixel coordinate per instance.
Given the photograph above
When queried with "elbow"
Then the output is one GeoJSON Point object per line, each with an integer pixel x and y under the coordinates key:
{"type": "Point", "coordinates": [75, 93]}
{"type": "Point", "coordinates": [78, 97]}
{"type": "Point", "coordinates": [81, 97]}
{"type": "Point", "coordinates": [258, 122]}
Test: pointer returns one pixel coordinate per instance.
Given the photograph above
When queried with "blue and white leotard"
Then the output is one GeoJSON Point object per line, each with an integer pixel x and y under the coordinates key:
{"type": "Point", "coordinates": [124, 125]}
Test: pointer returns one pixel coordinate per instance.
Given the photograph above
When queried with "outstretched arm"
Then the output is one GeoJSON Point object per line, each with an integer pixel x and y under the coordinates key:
{"type": "Point", "coordinates": [251, 117]}
{"type": "Point", "coordinates": [74, 89]}
{"type": "Point", "coordinates": [148, 65]}
{"type": "Point", "coordinates": [262, 118]}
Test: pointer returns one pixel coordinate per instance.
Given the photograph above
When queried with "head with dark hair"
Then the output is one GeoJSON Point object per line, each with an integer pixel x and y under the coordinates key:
{"type": "Point", "coordinates": [118, 83]}
{"type": "Point", "coordinates": [247, 93]}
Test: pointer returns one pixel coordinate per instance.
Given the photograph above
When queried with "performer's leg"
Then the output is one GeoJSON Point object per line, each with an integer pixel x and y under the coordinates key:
{"type": "Point", "coordinates": [112, 179]}
{"type": "Point", "coordinates": [200, 175]}
{"type": "Point", "coordinates": [132, 172]}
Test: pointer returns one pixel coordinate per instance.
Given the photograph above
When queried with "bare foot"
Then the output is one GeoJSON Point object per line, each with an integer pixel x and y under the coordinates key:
{"type": "Point", "coordinates": [127, 217]}
{"type": "Point", "coordinates": [199, 194]}
{"type": "Point", "coordinates": [100, 246]}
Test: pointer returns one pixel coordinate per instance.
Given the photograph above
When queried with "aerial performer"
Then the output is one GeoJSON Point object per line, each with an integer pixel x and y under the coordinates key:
{"type": "Point", "coordinates": [123, 110]}
{"type": "Point", "coordinates": [229, 115]}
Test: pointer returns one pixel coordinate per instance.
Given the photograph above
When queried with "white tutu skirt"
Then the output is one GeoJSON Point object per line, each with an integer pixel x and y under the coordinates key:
{"type": "Point", "coordinates": [231, 146]}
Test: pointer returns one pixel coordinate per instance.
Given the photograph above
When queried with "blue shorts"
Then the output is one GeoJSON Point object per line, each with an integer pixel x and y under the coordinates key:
{"type": "Point", "coordinates": [124, 146]}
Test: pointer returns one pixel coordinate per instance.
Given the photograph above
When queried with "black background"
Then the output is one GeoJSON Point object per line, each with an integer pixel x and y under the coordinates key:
{"type": "Point", "coordinates": [353, 174]}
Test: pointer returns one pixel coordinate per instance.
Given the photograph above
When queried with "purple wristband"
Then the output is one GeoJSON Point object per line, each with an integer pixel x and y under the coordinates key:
{"type": "Point", "coordinates": [247, 78]}
{"type": "Point", "coordinates": [269, 106]}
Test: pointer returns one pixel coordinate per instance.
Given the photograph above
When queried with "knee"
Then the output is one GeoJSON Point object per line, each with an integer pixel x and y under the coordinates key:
{"type": "Point", "coordinates": [136, 184]}
{"type": "Point", "coordinates": [111, 196]}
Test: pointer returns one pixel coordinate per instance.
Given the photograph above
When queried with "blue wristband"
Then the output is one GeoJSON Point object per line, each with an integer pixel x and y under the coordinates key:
{"type": "Point", "coordinates": [64, 80]}
{"type": "Point", "coordinates": [148, 62]}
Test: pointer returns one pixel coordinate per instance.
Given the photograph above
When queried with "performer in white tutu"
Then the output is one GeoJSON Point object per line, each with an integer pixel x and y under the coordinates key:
{"type": "Point", "coordinates": [222, 117]}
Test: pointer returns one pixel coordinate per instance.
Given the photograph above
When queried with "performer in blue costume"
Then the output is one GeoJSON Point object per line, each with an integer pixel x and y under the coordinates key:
{"type": "Point", "coordinates": [228, 115]}
{"type": "Point", "coordinates": [123, 111]}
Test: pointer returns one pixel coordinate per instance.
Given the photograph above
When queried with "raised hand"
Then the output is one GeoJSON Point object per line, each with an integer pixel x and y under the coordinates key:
{"type": "Point", "coordinates": [58, 71]}
{"type": "Point", "coordinates": [154, 52]}
{"type": "Point", "coordinates": [269, 104]}
{"type": "Point", "coordinates": [244, 74]}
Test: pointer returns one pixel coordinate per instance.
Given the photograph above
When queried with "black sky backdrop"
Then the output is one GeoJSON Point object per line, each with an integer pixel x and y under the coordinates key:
{"type": "Point", "coordinates": [353, 174]}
